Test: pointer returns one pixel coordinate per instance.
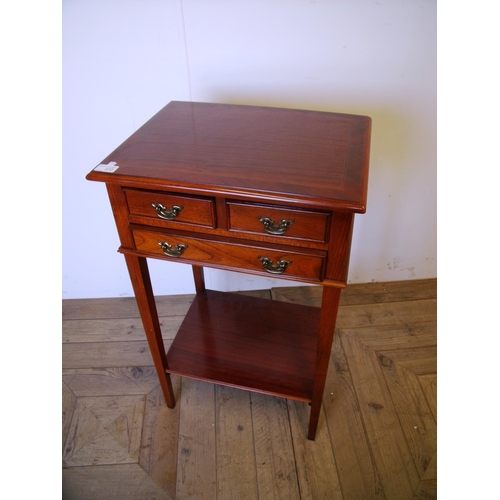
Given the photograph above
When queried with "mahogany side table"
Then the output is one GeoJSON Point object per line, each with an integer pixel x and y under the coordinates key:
{"type": "Point", "coordinates": [258, 190]}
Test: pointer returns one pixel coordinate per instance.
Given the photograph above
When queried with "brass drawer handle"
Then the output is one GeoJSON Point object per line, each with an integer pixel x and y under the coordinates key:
{"type": "Point", "coordinates": [166, 213]}
{"type": "Point", "coordinates": [279, 268]}
{"type": "Point", "coordinates": [170, 251]}
{"type": "Point", "coordinates": [271, 228]}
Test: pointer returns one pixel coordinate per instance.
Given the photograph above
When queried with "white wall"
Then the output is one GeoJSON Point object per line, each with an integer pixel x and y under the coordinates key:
{"type": "Point", "coordinates": [123, 60]}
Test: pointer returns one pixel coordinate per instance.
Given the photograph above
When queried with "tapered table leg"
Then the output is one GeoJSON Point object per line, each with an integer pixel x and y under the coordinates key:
{"type": "Point", "coordinates": [141, 282]}
{"type": "Point", "coordinates": [329, 308]}
{"type": "Point", "coordinates": [199, 278]}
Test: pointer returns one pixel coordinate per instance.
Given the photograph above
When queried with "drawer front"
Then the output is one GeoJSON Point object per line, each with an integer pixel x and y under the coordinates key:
{"type": "Point", "coordinates": [279, 222]}
{"type": "Point", "coordinates": [268, 261]}
{"type": "Point", "coordinates": [162, 209]}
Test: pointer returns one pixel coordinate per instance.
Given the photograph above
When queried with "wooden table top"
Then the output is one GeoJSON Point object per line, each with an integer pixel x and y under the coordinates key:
{"type": "Point", "coordinates": [309, 156]}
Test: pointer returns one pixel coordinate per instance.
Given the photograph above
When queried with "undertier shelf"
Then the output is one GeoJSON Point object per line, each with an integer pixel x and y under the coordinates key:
{"type": "Point", "coordinates": [250, 343]}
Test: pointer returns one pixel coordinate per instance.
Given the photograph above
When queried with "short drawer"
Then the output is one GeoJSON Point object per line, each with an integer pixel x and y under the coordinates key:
{"type": "Point", "coordinates": [235, 256]}
{"type": "Point", "coordinates": [169, 208]}
{"type": "Point", "coordinates": [277, 221]}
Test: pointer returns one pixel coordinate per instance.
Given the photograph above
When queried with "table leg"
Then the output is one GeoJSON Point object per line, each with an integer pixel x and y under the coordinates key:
{"type": "Point", "coordinates": [141, 282]}
{"type": "Point", "coordinates": [329, 308]}
{"type": "Point", "coordinates": [199, 278]}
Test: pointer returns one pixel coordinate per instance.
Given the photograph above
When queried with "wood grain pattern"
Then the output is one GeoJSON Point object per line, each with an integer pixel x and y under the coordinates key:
{"type": "Point", "coordinates": [158, 452]}
{"type": "Point", "coordinates": [105, 430]}
{"type": "Point", "coordinates": [306, 225]}
{"type": "Point", "coordinates": [125, 307]}
{"type": "Point", "coordinates": [274, 451]}
{"type": "Point", "coordinates": [357, 470]}
{"type": "Point", "coordinates": [110, 381]}
{"type": "Point", "coordinates": [419, 426]}
{"type": "Point", "coordinates": [315, 461]}
{"type": "Point", "coordinates": [118, 481]}
{"type": "Point", "coordinates": [115, 329]}
{"type": "Point", "coordinates": [233, 340]}
{"type": "Point", "coordinates": [303, 264]}
{"type": "Point", "coordinates": [121, 441]}
{"type": "Point", "coordinates": [194, 211]}
{"type": "Point", "coordinates": [68, 406]}
{"type": "Point", "coordinates": [196, 456]}
{"type": "Point", "coordinates": [286, 153]}
{"type": "Point", "coordinates": [361, 293]}
{"type": "Point", "coordinates": [235, 445]}
{"type": "Point", "coordinates": [429, 387]}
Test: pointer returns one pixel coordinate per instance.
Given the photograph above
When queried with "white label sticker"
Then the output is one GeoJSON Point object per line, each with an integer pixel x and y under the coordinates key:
{"type": "Point", "coordinates": [110, 167]}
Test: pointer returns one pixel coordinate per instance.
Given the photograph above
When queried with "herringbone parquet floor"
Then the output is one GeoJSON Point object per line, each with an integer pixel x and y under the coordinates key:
{"type": "Point", "coordinates": [377, 431]}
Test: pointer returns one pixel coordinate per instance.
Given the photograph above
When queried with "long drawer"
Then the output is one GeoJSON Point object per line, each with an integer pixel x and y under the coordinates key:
{"type": "Point", "coordinates": [232, 255]}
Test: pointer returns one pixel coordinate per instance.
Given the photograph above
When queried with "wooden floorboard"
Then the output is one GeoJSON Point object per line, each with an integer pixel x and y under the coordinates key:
{"type": "Point", "coordinates": [377, 431]}
{"type": "Point", "coordinates": [274, 448]}
{"type": "Point", "coordinates": [234, 436]}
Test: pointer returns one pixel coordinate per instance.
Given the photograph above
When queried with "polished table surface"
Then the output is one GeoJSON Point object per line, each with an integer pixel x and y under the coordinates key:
{"type": "Point", "coordinates": [259, 190]}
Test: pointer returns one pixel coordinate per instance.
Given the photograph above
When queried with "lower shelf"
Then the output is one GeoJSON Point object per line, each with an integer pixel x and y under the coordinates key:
{"type": "Point", "coordinates": [249, 343]}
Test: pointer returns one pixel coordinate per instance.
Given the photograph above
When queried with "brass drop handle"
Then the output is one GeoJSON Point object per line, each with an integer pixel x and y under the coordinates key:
{"type": "Point", "coordinates": [171, 251]}
{"type": "Point", "coordinates": [279, 268]}
{"type": "Point", "coordinates": [167, 213]}
{"type": "Point", "coordinates": [271, 228]}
